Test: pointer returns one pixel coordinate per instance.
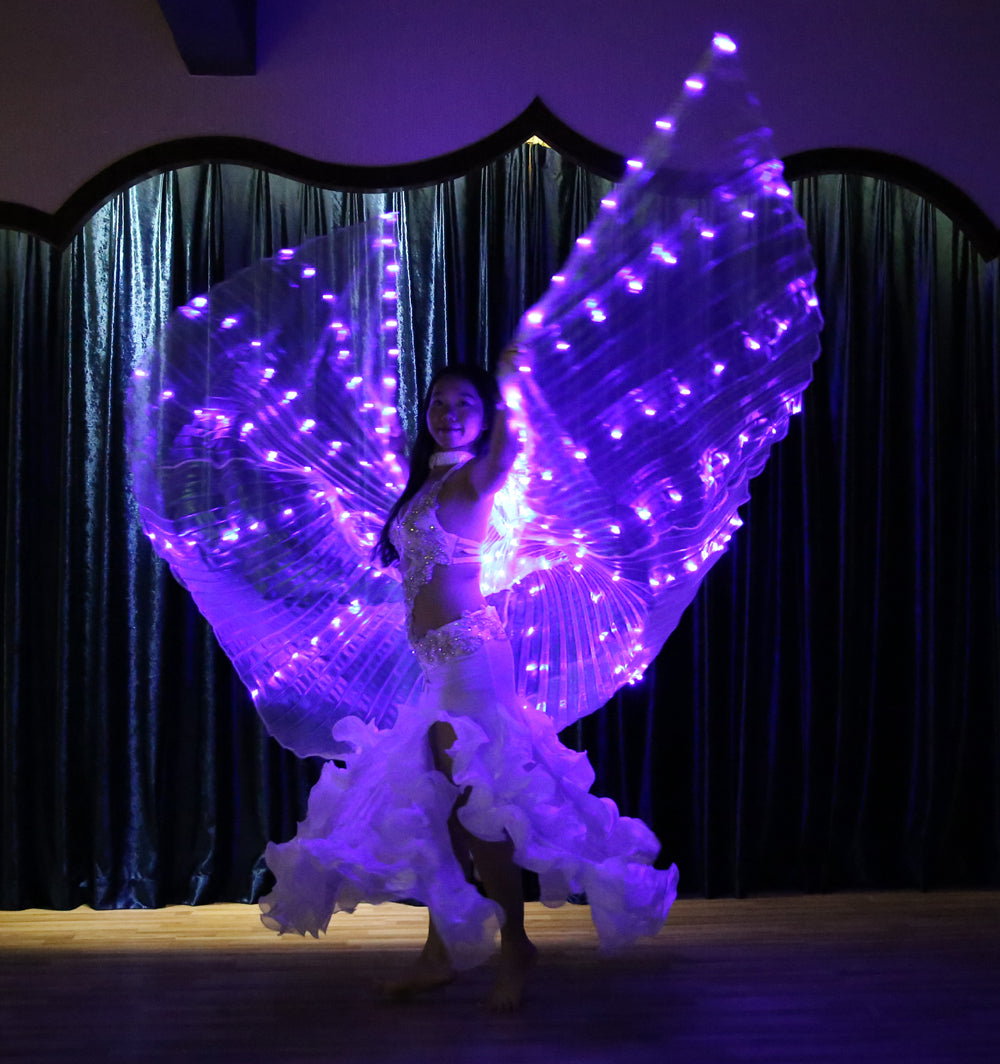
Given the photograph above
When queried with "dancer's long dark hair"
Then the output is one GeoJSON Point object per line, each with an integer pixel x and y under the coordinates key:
{"type": "Point", "coordinates": [423, 446]}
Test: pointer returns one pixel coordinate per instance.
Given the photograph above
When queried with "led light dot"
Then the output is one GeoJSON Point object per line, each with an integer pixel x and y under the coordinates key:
{"type": "Point", "coordinates": [658, 251]}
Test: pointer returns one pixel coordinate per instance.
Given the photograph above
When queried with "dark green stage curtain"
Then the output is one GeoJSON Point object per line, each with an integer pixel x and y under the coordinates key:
{"type": "Point", "coordinates": [828, 713]}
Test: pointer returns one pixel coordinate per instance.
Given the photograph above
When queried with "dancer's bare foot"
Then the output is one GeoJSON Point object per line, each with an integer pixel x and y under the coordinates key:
{"type": "Point", "coordinates": [431, 970]}
{"type": "Point", "coordinates": [516, 959]}
{"type": "Point", "coordinates": [426, 974]}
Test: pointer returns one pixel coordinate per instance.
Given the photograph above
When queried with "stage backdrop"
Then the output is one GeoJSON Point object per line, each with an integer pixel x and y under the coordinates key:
{"type": "Point", "coordinates": [828, 713]}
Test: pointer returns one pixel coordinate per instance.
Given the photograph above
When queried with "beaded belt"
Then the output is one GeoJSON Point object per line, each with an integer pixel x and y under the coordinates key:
{"type": "Point", "coordinates": [458, 638]}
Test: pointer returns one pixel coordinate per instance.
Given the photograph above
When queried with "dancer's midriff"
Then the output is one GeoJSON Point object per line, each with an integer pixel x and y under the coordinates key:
{"type": "Point", "coordinates": [452, 591]}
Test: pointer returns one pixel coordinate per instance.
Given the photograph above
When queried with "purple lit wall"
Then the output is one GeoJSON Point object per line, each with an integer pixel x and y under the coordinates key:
{"type": "Point", "coordinates": [390, 81]}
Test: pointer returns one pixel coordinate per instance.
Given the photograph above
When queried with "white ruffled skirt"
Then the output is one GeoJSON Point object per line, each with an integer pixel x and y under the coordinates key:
{"type": "Point", "coordinates": [377, 829]}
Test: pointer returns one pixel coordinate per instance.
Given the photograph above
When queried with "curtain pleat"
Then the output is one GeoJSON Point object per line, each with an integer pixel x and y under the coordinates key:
{"type": "Point", "coordinates": [826, 716]}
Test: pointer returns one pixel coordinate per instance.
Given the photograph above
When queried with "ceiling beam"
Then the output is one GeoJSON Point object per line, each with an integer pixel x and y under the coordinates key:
{"type": "Point", "coordinates": [217, 37]}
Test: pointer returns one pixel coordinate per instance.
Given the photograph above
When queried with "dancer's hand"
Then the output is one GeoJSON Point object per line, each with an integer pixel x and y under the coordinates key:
{"type": "Point", "coordinates": [514, 359]}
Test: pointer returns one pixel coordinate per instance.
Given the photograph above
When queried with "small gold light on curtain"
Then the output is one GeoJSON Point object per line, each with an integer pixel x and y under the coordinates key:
{"type": "Point", "coordinates": [537, 140]}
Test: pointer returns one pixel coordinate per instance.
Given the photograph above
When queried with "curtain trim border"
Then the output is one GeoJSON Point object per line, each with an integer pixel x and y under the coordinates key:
{"type": "Point", "coordinates": [959, 206]}
{"type": "Point", "coordinates": [536, 119]}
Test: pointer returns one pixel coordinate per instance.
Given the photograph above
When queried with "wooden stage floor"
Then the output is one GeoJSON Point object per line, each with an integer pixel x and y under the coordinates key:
{"type": "Point", "coordinates": [851, 977]}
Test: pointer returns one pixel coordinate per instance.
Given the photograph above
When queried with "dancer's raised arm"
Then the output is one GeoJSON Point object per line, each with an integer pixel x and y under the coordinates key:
{"type": "Point", "coordinates": [487, 475]}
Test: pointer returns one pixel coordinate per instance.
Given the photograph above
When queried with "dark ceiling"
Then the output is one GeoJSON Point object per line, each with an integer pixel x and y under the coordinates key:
{"type": "Point", "coordinates": [216, 37]}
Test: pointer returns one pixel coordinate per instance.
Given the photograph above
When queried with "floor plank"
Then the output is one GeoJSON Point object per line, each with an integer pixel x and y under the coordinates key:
{"type": "Point", "coordinates": [852, 977]}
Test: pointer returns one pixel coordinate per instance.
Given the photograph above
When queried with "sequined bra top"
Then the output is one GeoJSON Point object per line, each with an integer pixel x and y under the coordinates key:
{"type": "Point", "coordinates": [422, 542]}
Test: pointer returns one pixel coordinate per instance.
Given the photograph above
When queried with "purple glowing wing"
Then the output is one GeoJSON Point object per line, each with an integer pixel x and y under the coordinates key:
{"type": "Point", "coordinates": [666, 359]}
{"type": "Point", "coordinates": [257, 430]}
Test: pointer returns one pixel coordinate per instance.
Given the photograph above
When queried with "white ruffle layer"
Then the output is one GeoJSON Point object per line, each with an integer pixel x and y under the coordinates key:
{"type": "Point", "coordinates": [377, 829]}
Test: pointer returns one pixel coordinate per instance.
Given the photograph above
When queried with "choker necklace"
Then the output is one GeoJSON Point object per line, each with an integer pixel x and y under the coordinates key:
{"type": "Point", "coordinates": [449, 458]}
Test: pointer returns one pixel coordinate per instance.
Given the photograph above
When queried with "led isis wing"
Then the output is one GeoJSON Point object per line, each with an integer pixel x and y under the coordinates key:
{"type": "Point", "coordinates": [258, 432]}
{"type": "Point", "coordinates": [666, 359]}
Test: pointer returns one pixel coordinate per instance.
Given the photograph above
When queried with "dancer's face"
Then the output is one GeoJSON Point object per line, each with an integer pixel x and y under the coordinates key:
{"type": "Point", "coordinates": [454, 414]}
